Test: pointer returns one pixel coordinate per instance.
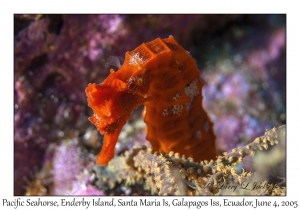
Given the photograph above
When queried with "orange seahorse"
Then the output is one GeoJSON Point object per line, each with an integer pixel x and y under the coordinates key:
{"type": "Point", "coordinates": [164, 77]}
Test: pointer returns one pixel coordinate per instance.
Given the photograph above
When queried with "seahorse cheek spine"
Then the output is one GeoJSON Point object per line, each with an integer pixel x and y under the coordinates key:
{"type": "Point", "coordinates": [163, 76]}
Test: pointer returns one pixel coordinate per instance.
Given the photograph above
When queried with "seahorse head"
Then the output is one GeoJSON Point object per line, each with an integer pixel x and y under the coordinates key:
{"type": "Point", "coordinates": [112, 106]}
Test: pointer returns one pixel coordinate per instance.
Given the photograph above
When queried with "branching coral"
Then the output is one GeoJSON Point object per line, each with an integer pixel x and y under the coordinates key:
{"type": "Point", "coordinates": [172, 174]}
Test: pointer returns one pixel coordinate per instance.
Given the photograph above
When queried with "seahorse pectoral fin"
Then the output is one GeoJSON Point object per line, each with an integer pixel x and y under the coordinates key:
{"type": "Point", "coordinates": [108, 148]}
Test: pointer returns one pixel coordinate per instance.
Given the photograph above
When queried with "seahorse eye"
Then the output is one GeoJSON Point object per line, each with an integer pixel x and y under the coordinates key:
{"type": "Point", "coordinates": [111, 128]}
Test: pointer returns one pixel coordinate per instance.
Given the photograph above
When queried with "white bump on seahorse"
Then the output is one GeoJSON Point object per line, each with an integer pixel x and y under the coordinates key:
{"type": "Point", "coordinates": [177, 95]}
{"type": "Point", "coordinates": [136, 59]}
{"type": "Point", "coordinates": [191, 91]}
{"type": "Point", "coordinates": [198, 134]}
{"type": "Point", "coordinates": [165, 112]}
{"type": "Point", "coordinates": [206, 126]}
{"type": "Point", "coordinates": [177, 109]}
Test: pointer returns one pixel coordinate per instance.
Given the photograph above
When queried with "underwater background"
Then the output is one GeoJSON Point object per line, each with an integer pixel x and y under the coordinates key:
{"type": "Point", "coordinates": [242, 59]}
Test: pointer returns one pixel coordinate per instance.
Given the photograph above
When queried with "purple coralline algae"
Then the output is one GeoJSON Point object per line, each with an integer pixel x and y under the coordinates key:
{"type": "Point", "coordinates": [71, 169]}
{"type": "Point", "coordinates": [241, 94]}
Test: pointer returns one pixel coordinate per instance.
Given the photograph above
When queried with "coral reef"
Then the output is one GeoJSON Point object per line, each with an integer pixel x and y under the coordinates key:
{"type": "Point", "coordinates": [173, 174]}
{"type": "Point", "coordinates": [241, 57]}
